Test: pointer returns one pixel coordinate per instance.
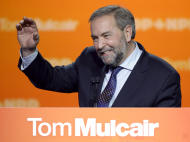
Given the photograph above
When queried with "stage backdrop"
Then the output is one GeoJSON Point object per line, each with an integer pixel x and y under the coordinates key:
{"type": "Point", "coordinates": [163, 27]}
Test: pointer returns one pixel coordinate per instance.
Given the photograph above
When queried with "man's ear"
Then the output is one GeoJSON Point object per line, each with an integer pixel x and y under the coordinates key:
{"type": "Point", "coordinates": [128, 32]}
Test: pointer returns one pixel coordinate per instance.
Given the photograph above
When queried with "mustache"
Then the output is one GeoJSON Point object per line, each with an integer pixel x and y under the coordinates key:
{"type": "Point", "coordinates": [104, 49]}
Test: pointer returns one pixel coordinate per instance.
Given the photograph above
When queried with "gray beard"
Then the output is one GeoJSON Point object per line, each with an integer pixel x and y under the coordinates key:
{"type": "Point", "coordinates": [117, 60]}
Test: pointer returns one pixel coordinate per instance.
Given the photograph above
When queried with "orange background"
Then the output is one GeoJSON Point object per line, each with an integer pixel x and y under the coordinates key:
{"type": "Point", "coordinates": [173, 123]}
{"type": "Point", "coordinates": [14, 86]}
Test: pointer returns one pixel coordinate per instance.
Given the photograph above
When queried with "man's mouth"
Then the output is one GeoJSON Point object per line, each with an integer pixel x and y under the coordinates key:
{"type": "Point", "coordinates": [105, 52]}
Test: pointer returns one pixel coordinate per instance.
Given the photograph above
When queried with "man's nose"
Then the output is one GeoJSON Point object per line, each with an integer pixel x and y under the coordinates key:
{"type": "Point", "coordinates": [101, 43]}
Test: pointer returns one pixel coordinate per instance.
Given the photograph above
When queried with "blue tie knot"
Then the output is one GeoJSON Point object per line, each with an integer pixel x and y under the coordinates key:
{"type": "Point", "coordinates": [116, 70]}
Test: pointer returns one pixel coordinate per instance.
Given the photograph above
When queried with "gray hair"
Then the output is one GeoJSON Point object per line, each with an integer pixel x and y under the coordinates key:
{"type": "Point", "coordinates": [122, 16]}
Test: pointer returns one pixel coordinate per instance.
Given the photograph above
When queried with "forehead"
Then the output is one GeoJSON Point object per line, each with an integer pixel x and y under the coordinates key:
{"type": "Point", "coordinates": [103, 24]}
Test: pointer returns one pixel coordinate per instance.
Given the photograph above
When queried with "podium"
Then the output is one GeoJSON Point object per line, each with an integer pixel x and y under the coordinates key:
{"type": "Point", "coordinates": [94, 124]}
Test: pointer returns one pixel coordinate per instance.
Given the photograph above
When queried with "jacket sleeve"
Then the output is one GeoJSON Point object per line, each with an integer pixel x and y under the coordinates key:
{"type": "Point", "coordinates": [59, 78]}
{"type": "Point", "coordinates": [170, 93]}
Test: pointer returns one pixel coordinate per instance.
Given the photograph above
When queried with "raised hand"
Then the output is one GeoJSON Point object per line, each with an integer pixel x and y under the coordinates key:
{"type": "Point", "coordinates": [28, 36]}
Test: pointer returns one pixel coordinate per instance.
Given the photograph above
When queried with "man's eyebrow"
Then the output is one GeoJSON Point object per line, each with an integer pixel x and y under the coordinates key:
{"type": "Point", "coordinates": [108, 32]}
{"type": "Point", "coordinates": [104, 33]}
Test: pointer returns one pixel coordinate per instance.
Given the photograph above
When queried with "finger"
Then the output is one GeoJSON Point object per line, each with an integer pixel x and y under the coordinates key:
{"type": "Point", "coordinates": [29, 21]}
{"type": "Point", "coordinates": [21, 23]}
{"type": "Point", "coordinates": [36, 36]}
{"type": "Point", "coordinates": [18, 27]}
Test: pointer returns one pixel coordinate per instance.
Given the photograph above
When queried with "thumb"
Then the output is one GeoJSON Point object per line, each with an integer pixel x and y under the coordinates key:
{"type": "Point", "coordinates": [36, 37]}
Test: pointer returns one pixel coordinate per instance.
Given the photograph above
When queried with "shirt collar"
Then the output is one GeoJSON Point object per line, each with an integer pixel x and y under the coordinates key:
{"type": "Point", "coordinates": [131, 61]}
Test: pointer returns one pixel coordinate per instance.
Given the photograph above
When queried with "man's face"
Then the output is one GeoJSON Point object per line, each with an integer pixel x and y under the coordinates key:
{"type": "Point", "coordinates": [109, 40]}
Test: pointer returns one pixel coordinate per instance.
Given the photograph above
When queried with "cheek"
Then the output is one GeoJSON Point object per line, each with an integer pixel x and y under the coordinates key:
{"type": "Point", "coordinates": [114, 41]}
{"type": "Point", "coordinates": [110, 41]}
{"type": "Point", "coordinates": [96, 48]}
{"type": "Point", "coordinates": [95, 45]}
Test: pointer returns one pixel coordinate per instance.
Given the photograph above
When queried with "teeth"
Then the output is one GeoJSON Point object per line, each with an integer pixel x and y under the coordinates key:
{"type": "Point", "coordinates": [103, 52]}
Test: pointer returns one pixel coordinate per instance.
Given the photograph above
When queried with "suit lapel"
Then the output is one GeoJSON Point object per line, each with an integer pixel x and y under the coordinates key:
{"type": "Point", "coordinates": [96, 82]}
{"type": "Point", "coordinates": [134, 81]}
{"type": "Point", "coordinates": [102, 76]}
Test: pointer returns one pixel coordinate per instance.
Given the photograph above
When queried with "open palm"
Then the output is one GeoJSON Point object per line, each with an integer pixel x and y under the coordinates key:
{"type": "Point", "coordinates": [27, 33]}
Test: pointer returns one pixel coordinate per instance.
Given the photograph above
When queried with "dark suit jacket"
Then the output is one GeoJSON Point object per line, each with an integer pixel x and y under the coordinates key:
{"type": "Point", "coordinates": [152, 83]}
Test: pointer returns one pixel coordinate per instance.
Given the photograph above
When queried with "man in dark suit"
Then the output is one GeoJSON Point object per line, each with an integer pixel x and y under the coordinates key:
{"type": "Point", "coordinates": [115, 72]}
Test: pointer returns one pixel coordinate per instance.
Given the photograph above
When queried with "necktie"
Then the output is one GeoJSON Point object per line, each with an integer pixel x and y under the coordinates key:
{"type": "Point", "coordinates": [105, 97]}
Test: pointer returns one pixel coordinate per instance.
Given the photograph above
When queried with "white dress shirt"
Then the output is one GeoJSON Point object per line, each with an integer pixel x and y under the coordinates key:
{"type": "Point", "coordinates": [123, 75]}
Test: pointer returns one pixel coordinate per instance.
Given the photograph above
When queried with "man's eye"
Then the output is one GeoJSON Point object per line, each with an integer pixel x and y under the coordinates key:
{"type": "Point", "coordinates": [94, 38]}
{"type": "Point", "coordinates": [106, 36]}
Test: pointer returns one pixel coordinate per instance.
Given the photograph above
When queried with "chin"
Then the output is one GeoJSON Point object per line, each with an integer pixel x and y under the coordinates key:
{"type": "Point", "coordinates": [112, 64]}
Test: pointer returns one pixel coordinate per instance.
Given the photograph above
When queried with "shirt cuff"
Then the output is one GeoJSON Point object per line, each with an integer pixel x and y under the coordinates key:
{"type": "Point", "coordinates": [26, 61]}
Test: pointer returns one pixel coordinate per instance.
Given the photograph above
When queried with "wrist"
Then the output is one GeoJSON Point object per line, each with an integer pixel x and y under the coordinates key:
{"type": "Point", "coordinates": [27, 51]}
